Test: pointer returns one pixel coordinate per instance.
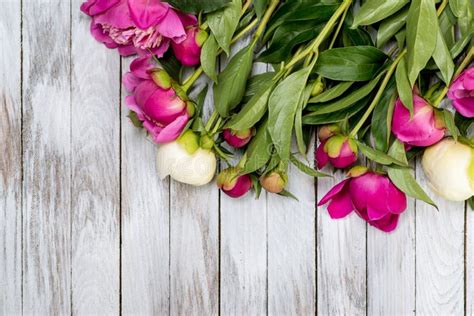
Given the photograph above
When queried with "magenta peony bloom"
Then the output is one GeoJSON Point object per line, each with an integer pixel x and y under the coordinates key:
{"type": "Point", "coordinates": [423, 129]}
{"type": "Point", "coordinates": [339, 150]}
{"type": "Point", "coordinates": [233, 184]}
{"type": "Point", "coordinates": [237, 139]}
{"type": "Point", "coordinates": [136, 26]}
{"type": "Point", "coordinates": [373, 196]}
{"type": "Point", "coordinates": [163, 113]}
{"type": "Point", "coordinates": [188, 52]}
{"type": "Point", "coordinates": [461, 93]}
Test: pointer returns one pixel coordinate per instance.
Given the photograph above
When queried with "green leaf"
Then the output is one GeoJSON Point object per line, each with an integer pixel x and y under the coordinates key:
{"type": "Point", "coordinates": [403, 178]}
{"type": "Point", "coordinates": [197, 6]}
{"type": "Point", "coordinates": [288, 194]}
{"type": "Point", "coordinates": [332, 93]}
{"type": "Point", "coordinates": [382, 118]}
{"type": "Point", "coordinates": [389, 27]}
{"type": "Point", "coordinates": [319, 119]}
{"type": "Point", "coordinates": [307, 169]}
{"type": "Point", "coordinates": [404, 88]}
{"type": "Point", "coordinates": [464, 11]}
{"type": "Point", "coordinates": [422, 30]}
{"type": "Point", "coordinates": [224, 22]}
{"type": "Point", "coordinates": [259, 150]}
{"type": "Point", "coordinates": [346, 101]}
{"type": "Point", "coordinates": [357, 37]}
{"type": "Point", "coordinates": [463, 123]}
{"type": "Point", "coordinates": [252, 111]}
{"type": "Point", "coordinates": [379, 156]}
{"type": "Point", "coordinates": [260, 6]}
{"type": "Point", "coordinates": [230, 87]}
{"type": "Point", "coordinates": [135, 120]}
{"type": "Point", "coordinates": [470, 202]}
{"type": "Point", "coordinates": [448, 118]}
{"type": "Point", "coordinates": [460, 45]}
{"type": "Point", "coordinates": [209, 53]}
{"type": "Point", "coordinates": [283, 104]}
{"type": "Point", "coordinates": [358, 63]}
{"type": "Point", "coordinates": [171, 65]}
{"type": "Point", "coordinates": [442, 58]}
{"type": "Point", "coordinates": [373, 11]}
{"type": "Point", "coordinates": [298, 120]}
{"type": "Point", "coordinates": [256, 83]}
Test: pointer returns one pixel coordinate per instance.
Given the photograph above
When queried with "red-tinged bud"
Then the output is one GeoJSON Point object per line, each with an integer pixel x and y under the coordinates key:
{"type": "Point", "coordinates": [341, 151]}
{"type": "Point", "coordinates": [188, 52]}
{"type": "Point", "coordinates": [275, 182]}
{"type": "Point", "coordinates": [327, 131]}
{"type": "Point", "coordinates": [233, 184]}
{"type": "Point", "coordinates": [237, 139]}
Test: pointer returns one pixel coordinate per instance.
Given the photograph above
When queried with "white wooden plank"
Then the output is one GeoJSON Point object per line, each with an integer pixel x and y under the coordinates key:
{"type": "Point", "coordinates": [391, 267]}
{"type": "Point", "coordinates": [11, 158]}
{"type": "Point", "coordinates": [341, 253]}
{"type": "Point", "coordinates": [47, 150]}
{"type": "Point", "coordinates": [291, 248]}
{"type": "Point", "coordinates": [243, 247]}
{"type": "Point", "coordinates": [439, 255]}
{"type": "Point", "coordinates": [194, 245]}
{"type": "Point", "coordinates": [469, 261]}
{"type": "Point", "coordinates": [145, 224]}
{"type": "Point", "coordinates": [95, 172]}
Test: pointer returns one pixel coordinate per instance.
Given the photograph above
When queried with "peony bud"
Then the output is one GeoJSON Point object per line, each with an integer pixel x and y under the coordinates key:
{"type": "Point", "coordinates": [327, 131]}
{"type": "Point", "coordinates": [341, 151]}
{"type": "Point", "coordinates": [188, 52]}
{"type": "Point", "coordinates": [275, 182]}
{"type": "Point", "coordinates": [233, 184]}
{"type": "Point", "coordinates": [449, 167]}
{"type": "Point", "coordinates": [186, 162]}
{"type": "Point", "coordinates": [461, 93]}
{"type": "Point", "coordinates": [237, 139]}
{"type": "Point", "coordinates": [423, 129]}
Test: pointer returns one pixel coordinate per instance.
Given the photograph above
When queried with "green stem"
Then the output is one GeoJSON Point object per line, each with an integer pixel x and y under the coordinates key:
{"type": "Point", "coordinates": [467, 60]}
{"type": "Point", "coordinates": [323, 35]}
{"type": "Point", "coordinates": [211, 121]}
{"type": "Point", "coordinates": [268, 14]}
{"type": "Point", "coordinates": [217, 126]}
{"type": "Point", "coordinates": [442, 6]}
{"type": "Point", "coordinates": [378, 96]}
{"type": "Point", "coordinates": [191, 79]}
{"type": "Point", "coordinates": [339, 27]}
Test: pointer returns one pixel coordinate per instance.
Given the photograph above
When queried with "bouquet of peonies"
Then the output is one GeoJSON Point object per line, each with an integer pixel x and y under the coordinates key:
{"type": "Point", "coordinates": [372, 78]}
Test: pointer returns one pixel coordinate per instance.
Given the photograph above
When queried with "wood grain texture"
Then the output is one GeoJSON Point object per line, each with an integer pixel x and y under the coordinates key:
{"type": "Point", "coordinates": [439, 255]}
{"type": "Point", "coordinates": [10, 159]}
{"type": "Point", "coordinates": [469, 261]}
{"type": "Point", "coordinates": [391, 267]}
{"type": "Point", "coordinates": [292, 247]}
{"type": "Point", "coordinates": [95, 181]}
{"type": "Point", "coordinates": [47, 157]}
{"type": "Point", "coordinates": [341, 255]}
{"type": "Point", "coordinates": [194, 244]}
{"type": "Point", "coordinates": [243, 276]}
{"type": "Point", "coordinates": [145, 224]}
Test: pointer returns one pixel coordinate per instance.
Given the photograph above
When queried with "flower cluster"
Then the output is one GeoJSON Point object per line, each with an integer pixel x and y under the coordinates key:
{"type": "Point", "coordinates": [376, 102]}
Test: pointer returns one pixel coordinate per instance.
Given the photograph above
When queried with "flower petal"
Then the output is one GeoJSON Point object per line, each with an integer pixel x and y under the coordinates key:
{"type": "Point", "coordinates": [333, 192]}
{"type": "Point", "coordinates": [322, 157]}
{"type": "Point", "coordinates": [146, 13]}
{"type": "Point", "coordinates": [386, 224]}
{"type": "Point", "coordinates": [172, 131]}
{"type": "Point", "coordinates": [341, 205]}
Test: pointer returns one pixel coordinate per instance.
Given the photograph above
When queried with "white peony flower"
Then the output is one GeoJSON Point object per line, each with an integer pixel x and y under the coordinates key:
{"type": "Point", "coordinates": [449, 167]}
{"type": "Point", "coordinates": [186, 162]}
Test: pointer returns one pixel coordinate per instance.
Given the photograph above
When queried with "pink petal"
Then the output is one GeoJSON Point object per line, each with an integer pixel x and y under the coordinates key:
{"type": "Point", "coordinates": [146, 13]}
{"type": "Point", "coordinates": [396, 199]}
{"type": "Point", "coordinates": [386, 224]}
{"type": "Point", "coordinates": [117, 16]}
{"type": "Point", "coordinates": [133, 106]}
{"type": "Point", "coordinates": [172, 27]}
{"type": "Point", "coordinates": [144, 91]}
{"type": "Point", "coordinates": [164, 106]}
{"type": "Point", "coordinates": [130, 81]}
{"type": "Point", "coordinates": [172, 131]}
{"type": "Point", "coordinates": [322, 157]}
{"type": "Point", "coordinates": [242, 186]}
{"type": "Point", "coordinates": [140, 67]}
{"type": "Point", "coordinates": [333, 192]}
{"type": "Point", "coordinates": [341, 205]}
{"type": "Point", "coordinates": [94, 7]}
{"type": "Point", "coordinates": [101, 36]}
{"type": "Point", "coordinates": [465, 106]}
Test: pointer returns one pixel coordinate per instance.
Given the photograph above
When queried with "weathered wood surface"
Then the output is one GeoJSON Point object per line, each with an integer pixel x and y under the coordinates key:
{"type": "Point", "coordinates": [86, 227]}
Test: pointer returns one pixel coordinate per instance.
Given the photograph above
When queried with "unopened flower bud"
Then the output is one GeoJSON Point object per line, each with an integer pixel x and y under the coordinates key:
{"type": "Point", "coordinates": [327, 131]}
{"type": "Point", "coordinates": [341, 151]}
{"type": "Point", "coordinates": [238, 139]}
{"type": "Point", "coordinates": [233, 184]}
{"type": "Point", "coordinates": [449, 167]}
{"type": "Point", "coordinates": [318, 87]}
{"type": "Point", "coordinates": [206, 142]}
{"type": "Point", "coordinates": [275, 182]}
{"type": "Point", "coordinates": [188, 52]}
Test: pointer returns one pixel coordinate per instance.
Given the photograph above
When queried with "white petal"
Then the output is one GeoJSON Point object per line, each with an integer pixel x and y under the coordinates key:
{"type": "Point", "coordinates": [446, 165]}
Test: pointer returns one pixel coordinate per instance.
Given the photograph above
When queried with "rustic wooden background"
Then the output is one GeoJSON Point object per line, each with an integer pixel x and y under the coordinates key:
{"type": "Point", "coordinates": [86, 227]}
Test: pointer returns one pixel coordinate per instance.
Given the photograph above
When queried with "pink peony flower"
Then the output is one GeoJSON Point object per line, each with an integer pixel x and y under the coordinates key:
{"type": "Point", "coordinates": [338, 150]}
{"type": "Point", "coordinates": [461, 93]}
{"type": "Point", "coordinates": [237, 139]}
{"type": "Point", "coordinates": [163, 113]}
{"type": "Point", "coordinates": [136, 26]}
{"type": "Point", "coordinates": [373, 196]}
{"type": "Point", "coordinates": [423, 129]}
{"type": "Point", "coordinates": [188, 52]}
{"type": "Point", "coordinates": [233, 184]}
